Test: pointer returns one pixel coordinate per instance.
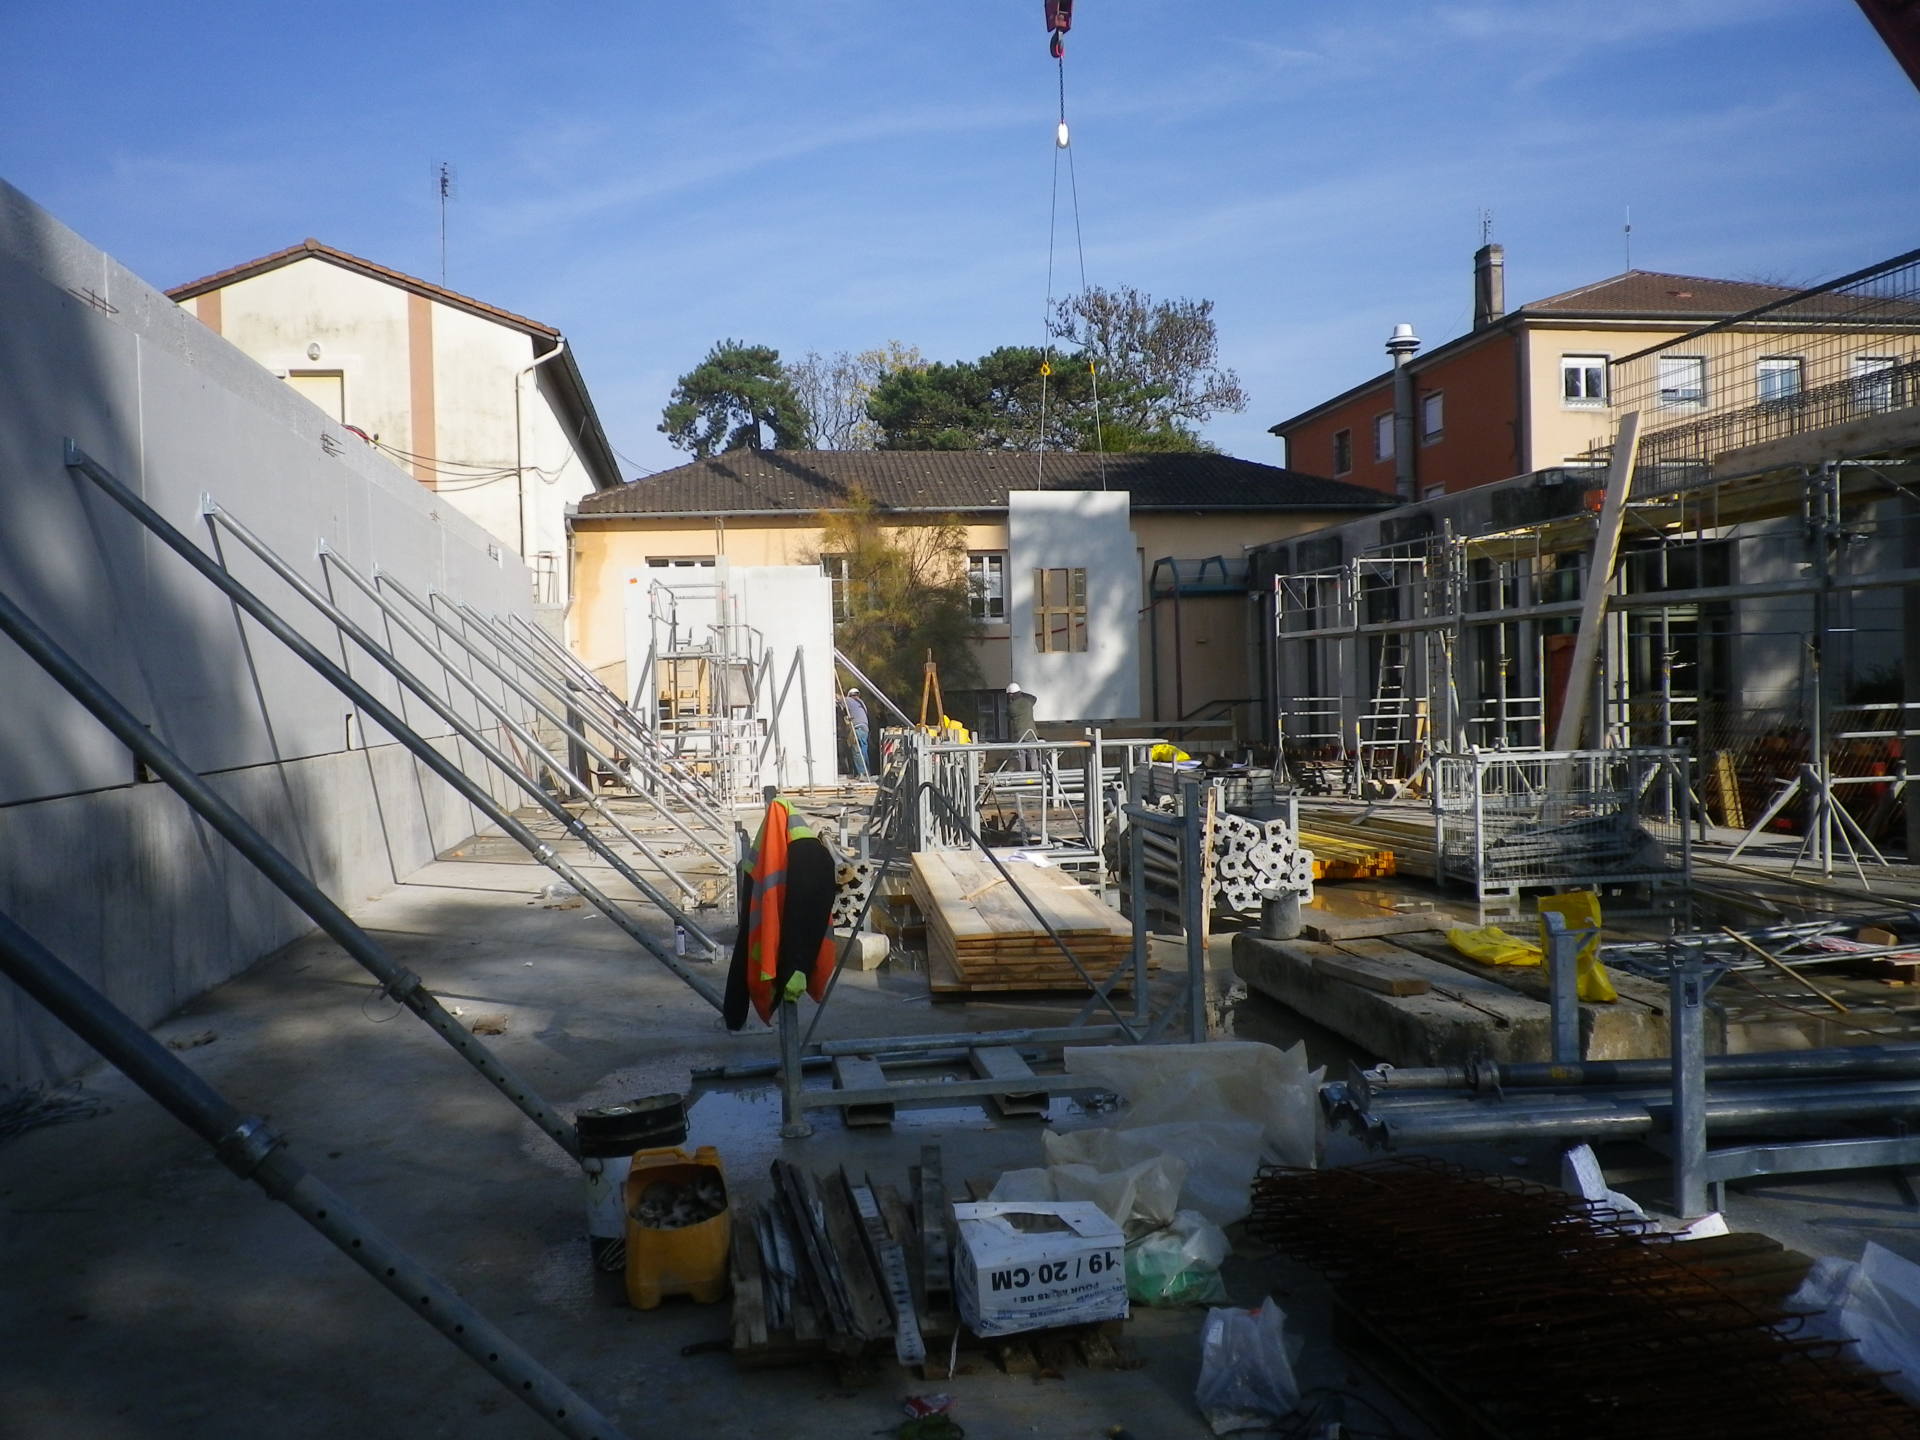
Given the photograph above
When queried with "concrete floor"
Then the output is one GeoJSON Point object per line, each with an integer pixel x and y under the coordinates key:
{"type": "Point", "coordinates": [151, 1294]}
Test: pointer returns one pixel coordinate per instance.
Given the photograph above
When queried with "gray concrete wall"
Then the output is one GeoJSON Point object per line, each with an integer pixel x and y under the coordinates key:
{"type": "Point", "coordinates": [115, 875]}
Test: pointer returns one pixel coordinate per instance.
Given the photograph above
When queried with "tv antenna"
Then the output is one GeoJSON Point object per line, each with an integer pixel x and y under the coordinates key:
{"type": "Point", "coordinates": [443, 179]}
{"type": "Point", "coordinates": [1626, 237]}
{"type": "Point", "coordinates": [1486, 227]}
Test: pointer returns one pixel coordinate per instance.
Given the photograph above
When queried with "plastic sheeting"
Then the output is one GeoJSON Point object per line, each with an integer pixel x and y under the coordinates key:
{"type": "Point", "coordinates": [1874, 1302]}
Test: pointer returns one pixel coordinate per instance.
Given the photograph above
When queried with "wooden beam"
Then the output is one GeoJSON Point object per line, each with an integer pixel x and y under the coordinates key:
{"type": "Point", "coordinates": [1593, 596]}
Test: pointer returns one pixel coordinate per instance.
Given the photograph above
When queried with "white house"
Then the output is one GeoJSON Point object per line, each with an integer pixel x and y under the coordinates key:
{"type": "Point", "coordinates": [485, 407]}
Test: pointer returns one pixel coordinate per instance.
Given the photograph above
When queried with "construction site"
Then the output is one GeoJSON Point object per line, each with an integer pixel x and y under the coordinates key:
{"type": "Point", "coordinates": [1368, 952]}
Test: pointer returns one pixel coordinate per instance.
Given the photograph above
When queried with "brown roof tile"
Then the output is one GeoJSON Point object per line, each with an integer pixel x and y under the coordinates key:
{"type": "Point", "coordinates": [1651, 294]}
{"type": "Point", "coordinates": [768, 482]}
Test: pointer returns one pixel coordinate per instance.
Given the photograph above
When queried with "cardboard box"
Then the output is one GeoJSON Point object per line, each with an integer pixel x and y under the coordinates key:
{"type": "Point", "coordinates": [1030, 1264]}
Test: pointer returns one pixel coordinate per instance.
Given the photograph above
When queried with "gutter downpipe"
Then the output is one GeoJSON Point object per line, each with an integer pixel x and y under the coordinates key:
{"type": "Point", "coordinates": [519, 440]}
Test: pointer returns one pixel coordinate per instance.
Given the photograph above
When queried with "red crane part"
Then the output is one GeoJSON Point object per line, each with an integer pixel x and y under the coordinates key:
{"type": "Point", "coordinates": [1898, 22]}
{"type": "Point", "coordinates": [1059, 21]}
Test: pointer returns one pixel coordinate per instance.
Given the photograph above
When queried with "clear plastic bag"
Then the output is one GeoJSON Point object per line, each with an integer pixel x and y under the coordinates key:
{"type": "Point", "coordinates": [1875, 1303]}
{"type": "Point", "coordinates": [1178, 1264]}
{"type": "Point", "coordinates": [1222, 1108]}
{"type": "Point", "coordinates": [1246, 1377]}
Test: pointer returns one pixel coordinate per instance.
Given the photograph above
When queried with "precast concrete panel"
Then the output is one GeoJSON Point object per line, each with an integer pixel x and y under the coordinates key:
{"type": "Point", "coordinates": [1077, 529]}
{"type": "Point", "coordinates": [791, 607]}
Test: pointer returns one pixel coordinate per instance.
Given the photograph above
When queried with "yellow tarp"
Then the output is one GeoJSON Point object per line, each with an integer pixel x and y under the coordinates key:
{"type": "Point", "coordinates": [1168, 752]}
{"type": "Point", "coordinates": [1491, 945]}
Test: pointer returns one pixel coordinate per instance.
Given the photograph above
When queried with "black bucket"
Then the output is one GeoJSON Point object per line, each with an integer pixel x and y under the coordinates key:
{"type": "Point", "coordinates": [609, 1136]}
{"type": "Point", "coordinates": [653, 1122]}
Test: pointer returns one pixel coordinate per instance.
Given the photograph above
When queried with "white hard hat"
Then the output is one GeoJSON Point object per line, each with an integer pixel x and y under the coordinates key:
{"type": "Point", "coordinates": [1013, 688]}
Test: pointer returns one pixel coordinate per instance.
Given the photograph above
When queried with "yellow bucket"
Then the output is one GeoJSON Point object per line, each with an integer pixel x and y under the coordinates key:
{"type": "Point", "coordinates": [685, 1259]}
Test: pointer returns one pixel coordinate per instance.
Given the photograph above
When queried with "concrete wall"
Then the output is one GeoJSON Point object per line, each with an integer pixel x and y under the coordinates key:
{"type": "Point", "coordinates": [430, 380]}
{"type": "Point", "coordinates": [117, 876]}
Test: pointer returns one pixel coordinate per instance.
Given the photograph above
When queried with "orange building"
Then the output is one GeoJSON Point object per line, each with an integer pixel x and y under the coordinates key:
{"type": "Point", "coordinates": [1523, 390]}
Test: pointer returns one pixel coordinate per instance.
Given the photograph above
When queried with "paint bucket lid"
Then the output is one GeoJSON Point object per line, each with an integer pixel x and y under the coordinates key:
{"type": "Point", "coordinates": [643, 1124]}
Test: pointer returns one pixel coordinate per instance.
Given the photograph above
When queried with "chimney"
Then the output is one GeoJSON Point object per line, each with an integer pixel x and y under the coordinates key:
{"type": "Point", "coordinates": [1489, 285]}
{"type": "Point", "coordinates": [1402, 345]}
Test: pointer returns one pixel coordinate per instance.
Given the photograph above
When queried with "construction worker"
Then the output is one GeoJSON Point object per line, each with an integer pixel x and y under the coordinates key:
{"type": "Point", "coordinates": [857, 722]}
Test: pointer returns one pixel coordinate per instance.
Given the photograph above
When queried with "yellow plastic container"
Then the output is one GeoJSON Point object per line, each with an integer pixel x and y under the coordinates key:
{"type": "Point", "coordinates": [690, 1260]}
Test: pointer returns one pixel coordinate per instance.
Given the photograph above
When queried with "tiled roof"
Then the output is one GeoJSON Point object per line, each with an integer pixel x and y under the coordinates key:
{"type": "Point", "coordinates": [768, 482]}
{"type": "Point", "coordinates": [346, 261]}
{"type": "Point", "coordinates": [1651, 295]}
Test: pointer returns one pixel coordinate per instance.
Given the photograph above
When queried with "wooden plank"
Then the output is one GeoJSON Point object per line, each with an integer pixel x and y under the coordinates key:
{"type": "Point", "coordinates": [999, 1062]}
{"type": "Point", "coordinates": [858, 1072]}
{"type": "Point", "coordinates": [934, 1215]}
{"type": "Point", "coordinates": [749, 1301]}
{"type": "Point", "coordinates": [1376, 975]}
{"type": "Point", "coordinates": [872, 1317]}
{"type": "Point", "coordinates": [889, 1262]}
{"type": "Point", "coordinates": [1333, 929]}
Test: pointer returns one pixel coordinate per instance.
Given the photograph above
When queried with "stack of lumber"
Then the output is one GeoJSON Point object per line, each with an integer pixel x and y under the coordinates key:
{"type": "Point", "coordinates": [1406, 832]}
{"type": "Point", "coordinates": [981, 936]}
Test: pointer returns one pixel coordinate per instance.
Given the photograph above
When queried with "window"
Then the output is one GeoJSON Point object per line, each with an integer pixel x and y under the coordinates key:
{"type": "Point", "coordinates": [1874, 383]}
{"type": "Point", "coordinates": [1383, 436]}
{"type": "Point", "coordinates": [1776, 378]}
{"type": "Point", "coordinates": [1434, 491]}
{"type": "Point", "coordinates": [680, 562]}
{"type": "Point", "coordinates": [1342, 451]}
{"type": "Point", "coordinates": [1433, 417]}
{"type": "Point", "coordinates": [1059, 610]}
{"type": "Point", "coordinates": [1583, 379]}
{"type": "Point", "coordinates": [325, 388]}
{"type": "Point", "coordinates": [835, 569]}
{"type": "Point", "coordinates": [1683, 382]}
{"type": "Point", "coordinates": [987, 580]}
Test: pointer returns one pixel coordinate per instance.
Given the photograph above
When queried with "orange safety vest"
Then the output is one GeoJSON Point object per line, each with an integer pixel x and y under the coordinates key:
{"type": "Point", "coordinates": [766, 868]}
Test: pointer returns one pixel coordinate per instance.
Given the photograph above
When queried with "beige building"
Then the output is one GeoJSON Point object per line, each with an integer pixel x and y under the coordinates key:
{"type": "Point", "coordinates": [1179, 613]}
{"type": "Point", "coordinates": [484, 407]}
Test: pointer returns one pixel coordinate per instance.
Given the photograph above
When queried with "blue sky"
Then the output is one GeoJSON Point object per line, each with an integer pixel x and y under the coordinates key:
{"type": "Point", "coordinates": [833, 174]}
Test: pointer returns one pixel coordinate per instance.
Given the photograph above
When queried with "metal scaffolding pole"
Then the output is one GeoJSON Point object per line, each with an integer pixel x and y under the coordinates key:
{"type": "Point", "coordinates": [463, 784]}
{"type": "Point", "coordinates": [249, 1148]}
{"type": "Point", "coordinates": [371, 590]}
{"type": "Point", "coordinates": [579, 688]}
{"type": "Point", "coordinates": [413, 684]}
{"type": "Point", "coordinates": [395, 979]}
{"type": "Point", "coordinates": [614, 719]}
{"type": "Point", "coordinates": [573, 732]}
{"type": "Point", "coordinates": [601, 708]}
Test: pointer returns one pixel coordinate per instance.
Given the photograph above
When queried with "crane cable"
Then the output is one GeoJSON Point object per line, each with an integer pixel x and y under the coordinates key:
{"type": "Point", "coordinates": [1062, 141]}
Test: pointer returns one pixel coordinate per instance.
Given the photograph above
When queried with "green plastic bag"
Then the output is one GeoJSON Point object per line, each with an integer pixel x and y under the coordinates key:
{"type": "Point", "coordinates": [1178, 1264]}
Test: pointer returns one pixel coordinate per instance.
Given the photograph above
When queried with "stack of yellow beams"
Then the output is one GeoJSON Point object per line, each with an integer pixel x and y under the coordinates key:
{"type": "Point", "coordinates": [1337, 859]}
